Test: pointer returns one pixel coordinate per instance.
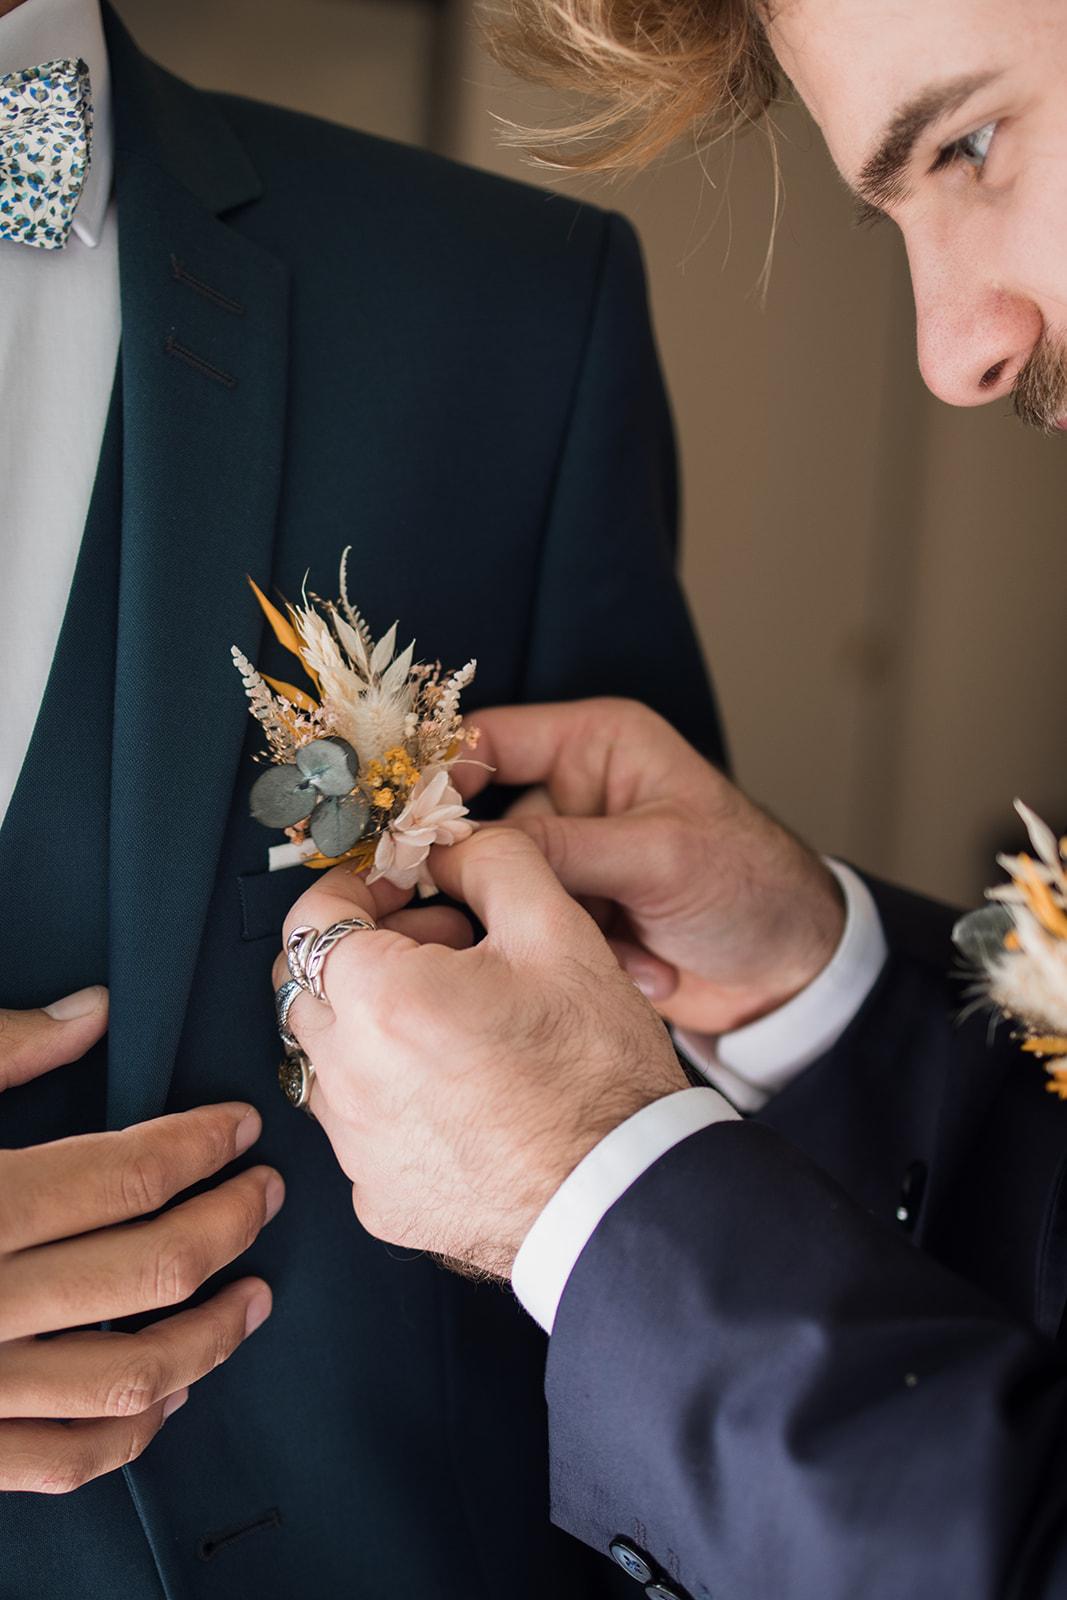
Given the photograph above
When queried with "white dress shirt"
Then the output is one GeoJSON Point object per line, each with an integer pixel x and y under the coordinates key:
{"type": "Point", "coordinates": [59, 340]}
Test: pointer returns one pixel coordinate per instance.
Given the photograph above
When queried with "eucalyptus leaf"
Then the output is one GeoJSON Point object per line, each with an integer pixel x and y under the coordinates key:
{"type": "Point", "coordinates": [338, 823]}
{"type": "Point", "coordinates": [282, 797]}
{"type": "Point", "coordinates": [980, 935]}
{"type": "Point", "coordinates": [330, 764]}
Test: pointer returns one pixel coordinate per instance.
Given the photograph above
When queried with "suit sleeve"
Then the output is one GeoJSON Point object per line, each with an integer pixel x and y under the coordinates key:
{"type": "Point", "coordinates": [609, 615]}
{"type": "Point", "coordinates": [771, 1393]}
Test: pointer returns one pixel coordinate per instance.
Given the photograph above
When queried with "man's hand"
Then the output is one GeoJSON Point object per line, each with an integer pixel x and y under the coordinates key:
{"type": "Point", "coordinates": [73, 1252]}
{"type": "Point", "coordinates": [717, 912]}
{"type": "Point", "coordinates": [460, 1085]}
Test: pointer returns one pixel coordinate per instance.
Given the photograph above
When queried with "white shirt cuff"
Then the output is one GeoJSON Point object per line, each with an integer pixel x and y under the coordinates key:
{"type": "Point", "coordinates": [569, 1220]}
{"type": "Point", "coordinates": [748, 1065]}
{"type": "Point", "coordinates": [753, 1063]}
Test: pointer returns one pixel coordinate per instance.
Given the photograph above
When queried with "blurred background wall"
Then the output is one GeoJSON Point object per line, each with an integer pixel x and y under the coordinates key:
{"type": "Point", "coordinates": [875, 577]}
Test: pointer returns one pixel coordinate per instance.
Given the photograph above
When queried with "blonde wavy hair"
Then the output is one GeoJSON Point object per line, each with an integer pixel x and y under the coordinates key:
{"type": "Point", "coordinates": [654, 70]}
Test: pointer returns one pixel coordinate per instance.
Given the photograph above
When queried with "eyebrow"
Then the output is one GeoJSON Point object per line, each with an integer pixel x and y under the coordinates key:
{"type": "Point", "coordinates": [881, 179]}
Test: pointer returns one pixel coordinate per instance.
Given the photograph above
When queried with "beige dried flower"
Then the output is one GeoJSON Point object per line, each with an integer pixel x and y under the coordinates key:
{"type": "Point", "coordinates": [434, 814]}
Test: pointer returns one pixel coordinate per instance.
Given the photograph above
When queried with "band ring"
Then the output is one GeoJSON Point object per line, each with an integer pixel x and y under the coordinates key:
{"type": "Point", "coordinates": [284, 999]}
{"type": "Point", "coordinates": [297, 950]}
{"type": "Point", "coordinates": [297, 1078]}
{"type": "Point", "coordinates": [306, 950]}
{"type": "Point", "coordinates": [322, 946]}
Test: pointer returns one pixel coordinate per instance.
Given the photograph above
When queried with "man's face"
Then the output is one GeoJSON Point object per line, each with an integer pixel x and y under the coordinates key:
{"type": "Point", "coordinates": [950, 117]}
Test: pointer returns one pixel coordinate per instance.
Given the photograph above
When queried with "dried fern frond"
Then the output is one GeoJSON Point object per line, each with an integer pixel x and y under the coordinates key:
{"type": "Point", "coordinates": [267, 709]}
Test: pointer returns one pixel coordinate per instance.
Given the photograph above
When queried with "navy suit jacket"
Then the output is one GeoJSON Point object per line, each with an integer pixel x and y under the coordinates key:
{"type": "Point", "coordinates": [814, 1356]}
{"type": "Point", "coordinates": [326, 340]}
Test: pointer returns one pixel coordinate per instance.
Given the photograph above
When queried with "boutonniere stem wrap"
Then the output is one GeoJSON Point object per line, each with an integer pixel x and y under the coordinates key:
{"type": "Point", "coordinates": [1016, 948]}
{"type": "Point", "coordinates": [360, 762]}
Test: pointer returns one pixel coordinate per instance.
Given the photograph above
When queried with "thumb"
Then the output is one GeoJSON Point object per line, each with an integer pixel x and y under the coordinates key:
{"type": "Point", "coordinates": [33, 1042]}
{"type": "Point", "coordinates": [607, 858]}
{"type": "Point", "coordinates": [656, 979]}
{"type": "Point", "coordinates": [511, 889]}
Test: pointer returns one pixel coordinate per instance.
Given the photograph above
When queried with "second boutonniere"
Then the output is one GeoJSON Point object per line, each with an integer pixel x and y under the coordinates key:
{"type": "Point", "coordinates": [360, 768]}
{"type": "Point", "coordinates": [1017, 947]}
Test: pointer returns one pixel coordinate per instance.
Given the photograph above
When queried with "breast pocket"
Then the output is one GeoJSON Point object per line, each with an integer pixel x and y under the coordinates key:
{"type": "Point", "coordinates": [266, 898]}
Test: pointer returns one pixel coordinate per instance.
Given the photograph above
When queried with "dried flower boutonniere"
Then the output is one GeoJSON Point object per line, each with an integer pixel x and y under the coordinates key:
{"type": "Point", "coordinates": [1017, 947]}
{"type": "Point", "coordinates": [360, 769]}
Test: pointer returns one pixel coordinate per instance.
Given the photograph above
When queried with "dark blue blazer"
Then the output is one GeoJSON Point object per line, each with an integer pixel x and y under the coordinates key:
{"type": "Point", "coordinates": [814, 1356]}
{"type": "Point", "coordinates": [326, 340]}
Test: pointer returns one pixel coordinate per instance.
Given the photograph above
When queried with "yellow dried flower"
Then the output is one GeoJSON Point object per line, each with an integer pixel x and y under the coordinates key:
{"type": "Point", "coordinates": [1039, 898]}
{"type": "Point", "coordinates": [383, 799]}
{"type": "Point", "coordinates": [1046, 1044]}
{"type": "Point", "coordinates": [399, 769]}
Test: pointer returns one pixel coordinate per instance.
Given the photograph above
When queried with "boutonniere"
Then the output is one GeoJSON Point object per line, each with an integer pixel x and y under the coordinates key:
{"type": "Point", "coordinates": [360, 763]}
{"type": "Point", "coordinates": [1017, 948]}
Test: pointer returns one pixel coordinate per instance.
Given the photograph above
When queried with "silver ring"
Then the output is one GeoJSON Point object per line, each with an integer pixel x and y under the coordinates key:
{"type": "Point", "coordinates": [298, 948]}
{"type": "Point", "coordinates": [324, 943]}
{"type": "Point", "coordinates": [283, 1004]}
{"type": "Point", "coordinates": [297, 1077]}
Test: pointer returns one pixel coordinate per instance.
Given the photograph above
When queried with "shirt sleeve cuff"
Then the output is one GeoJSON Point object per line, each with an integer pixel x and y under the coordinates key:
{"type": "Point", "coordinates": [569, 1220]}
{"type": "Point", "coordinates": [753, 1063]}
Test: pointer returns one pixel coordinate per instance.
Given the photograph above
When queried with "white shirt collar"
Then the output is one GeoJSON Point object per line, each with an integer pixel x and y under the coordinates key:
{"type": "Point", "coordinates": [48, 30]}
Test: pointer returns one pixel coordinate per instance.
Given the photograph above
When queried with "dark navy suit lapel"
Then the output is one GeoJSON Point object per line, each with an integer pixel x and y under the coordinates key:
{"type": "Point", "coordinates": [204, 356]}
{"type": "Point", "coordinates": [999, 1221]}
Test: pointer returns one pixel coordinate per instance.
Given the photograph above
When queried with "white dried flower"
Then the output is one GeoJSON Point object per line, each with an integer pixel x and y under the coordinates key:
{"type": "Point", "coordinates": [1018, 947]}
{"type": "Point", "coordinates": [1030, 984]}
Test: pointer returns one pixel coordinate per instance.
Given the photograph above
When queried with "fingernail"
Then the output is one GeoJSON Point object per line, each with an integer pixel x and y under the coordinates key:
{"type": "Point", "coordinates": [275, 1195]}
{"type": "Point", "coordinates": [174, 1403]}
{"type": "Point", "coordinates": [259, 1309]}
{"type": "Point", "coordinates": [248, 1131]}
{"type": "Point", "coordinates": [652, 984]}
{"type": "Point", "coordinates": [77, 1005]}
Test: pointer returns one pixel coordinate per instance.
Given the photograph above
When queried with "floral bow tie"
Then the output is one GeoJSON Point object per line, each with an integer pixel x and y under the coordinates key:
{"type": "Point", "coordinates": [46, 130]}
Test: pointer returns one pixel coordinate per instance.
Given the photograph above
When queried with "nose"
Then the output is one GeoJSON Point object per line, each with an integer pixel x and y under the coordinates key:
{"type": "Point", "coordinates": [972, 337]}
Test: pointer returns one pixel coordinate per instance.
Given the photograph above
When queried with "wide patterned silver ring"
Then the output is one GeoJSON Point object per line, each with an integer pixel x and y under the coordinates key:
{"type": "Point", "coordinates": [283, 1004]}
{"type": "Point", "coordinates": [327, 941]}
{"type": "Point", "coordinates": [306, 950]}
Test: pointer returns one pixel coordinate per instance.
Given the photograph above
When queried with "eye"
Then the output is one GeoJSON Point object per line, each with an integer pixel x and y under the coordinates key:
{"type": "Point", "coordinates": [971, 150]}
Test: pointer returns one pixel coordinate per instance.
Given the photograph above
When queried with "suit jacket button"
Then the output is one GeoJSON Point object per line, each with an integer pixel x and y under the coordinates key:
{"type": "Point", "coordinates": [631, 1560]}
{"type": "Point", "coordinates": [662, 1591]}
{"type": "Point", "coordinates": [911, 1196]}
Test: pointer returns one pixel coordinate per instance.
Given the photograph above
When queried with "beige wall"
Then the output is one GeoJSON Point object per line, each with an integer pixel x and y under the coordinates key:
{"type": "Point", "coordinates": [363, 62]}
{"type": "Point", "coordinates": [875, 577]}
